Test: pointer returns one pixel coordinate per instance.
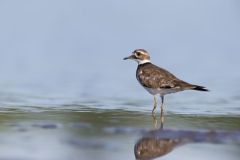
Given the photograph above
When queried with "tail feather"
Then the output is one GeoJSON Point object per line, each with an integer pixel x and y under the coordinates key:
{"type": "Point", "coordinates": [199, 88]}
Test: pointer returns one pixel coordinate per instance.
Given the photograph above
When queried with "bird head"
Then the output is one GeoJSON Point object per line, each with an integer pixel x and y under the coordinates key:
{"type": "Point", "coordinates": [139, 55]}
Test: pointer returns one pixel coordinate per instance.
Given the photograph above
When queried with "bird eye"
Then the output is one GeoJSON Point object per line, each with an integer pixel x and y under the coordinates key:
{"type": "Point", "coordinates": [138, 53]}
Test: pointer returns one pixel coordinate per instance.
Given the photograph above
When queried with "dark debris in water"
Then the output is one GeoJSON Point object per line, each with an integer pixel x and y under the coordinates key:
{"type": "Point", "coordinates": [23, 127]}
{"type": "Point", "coordinates": [123, 130]}
{"type": "Point", "coordinates": [81, 125]}
{"type": "Point", "coordinates": [90, 143]}
{"type": "Point", "coordinates": [46, 125]}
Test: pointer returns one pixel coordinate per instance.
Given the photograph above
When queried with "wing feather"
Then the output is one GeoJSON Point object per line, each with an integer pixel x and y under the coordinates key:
{"type": "Point", "coordinates": [152, 76]}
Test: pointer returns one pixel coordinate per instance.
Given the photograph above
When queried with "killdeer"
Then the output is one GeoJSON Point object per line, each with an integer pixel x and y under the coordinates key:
{"type": "Point", "coordinates": [156, 80]}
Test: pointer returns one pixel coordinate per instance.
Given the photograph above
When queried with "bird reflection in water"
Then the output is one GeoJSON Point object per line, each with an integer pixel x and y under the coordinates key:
{"type": "Point", "coordinates": [157, 143]}
{"type": "Point", "coordinates": [154, 144]}
{"type": "Point", "coordinates": [150, 147]}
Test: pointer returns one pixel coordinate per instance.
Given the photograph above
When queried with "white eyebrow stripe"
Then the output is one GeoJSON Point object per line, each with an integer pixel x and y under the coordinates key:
{"type": "Point", "coordinates": [142, 52]}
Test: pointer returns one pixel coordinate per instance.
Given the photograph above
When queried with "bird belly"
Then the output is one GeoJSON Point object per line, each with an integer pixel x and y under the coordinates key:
{"type": "Point", "coordinates": [162, 92]}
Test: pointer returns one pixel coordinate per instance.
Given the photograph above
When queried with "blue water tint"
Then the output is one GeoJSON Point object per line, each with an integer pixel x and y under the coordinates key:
{"type": "Point", "coordinates": [62, 74]}
{"type": "Point", "coordinates": [73, 51]}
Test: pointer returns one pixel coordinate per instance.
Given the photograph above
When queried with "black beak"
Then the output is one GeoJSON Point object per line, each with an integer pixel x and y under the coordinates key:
{"type": "Point", "coordinates": [130, 57]}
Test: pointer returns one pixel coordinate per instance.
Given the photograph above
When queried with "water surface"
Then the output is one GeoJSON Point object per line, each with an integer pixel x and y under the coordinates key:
{"type": "Point", "coordinates": [66, 93]}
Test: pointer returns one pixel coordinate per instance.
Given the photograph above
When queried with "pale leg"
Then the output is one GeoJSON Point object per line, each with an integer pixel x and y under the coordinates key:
{"type": "Point", "coordinates": [155, 104]}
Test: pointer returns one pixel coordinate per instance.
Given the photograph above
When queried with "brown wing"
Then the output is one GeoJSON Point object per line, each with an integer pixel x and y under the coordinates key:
{"type": "Point", "coordinates": [152, 76]}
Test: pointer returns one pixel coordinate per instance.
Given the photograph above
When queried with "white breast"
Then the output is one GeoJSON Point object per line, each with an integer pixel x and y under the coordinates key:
{"type": "Point", "coordinates": [161, 92]}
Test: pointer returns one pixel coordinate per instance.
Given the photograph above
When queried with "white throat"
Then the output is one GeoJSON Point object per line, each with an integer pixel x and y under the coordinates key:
{"type": "Point", "coordinates": [143, 61]}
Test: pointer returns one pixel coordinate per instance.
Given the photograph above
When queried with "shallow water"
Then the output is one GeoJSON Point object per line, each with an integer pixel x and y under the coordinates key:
{"type": "Point", "coordinates": [66, 93]}
{"type": "Point", "coordinates": [92, 133]}
{"type": "Point", "coordinates": [41, 123]}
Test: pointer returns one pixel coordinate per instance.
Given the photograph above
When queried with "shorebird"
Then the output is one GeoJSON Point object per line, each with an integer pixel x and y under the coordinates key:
{"type": "Point", "coordinates": [156, 80]}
